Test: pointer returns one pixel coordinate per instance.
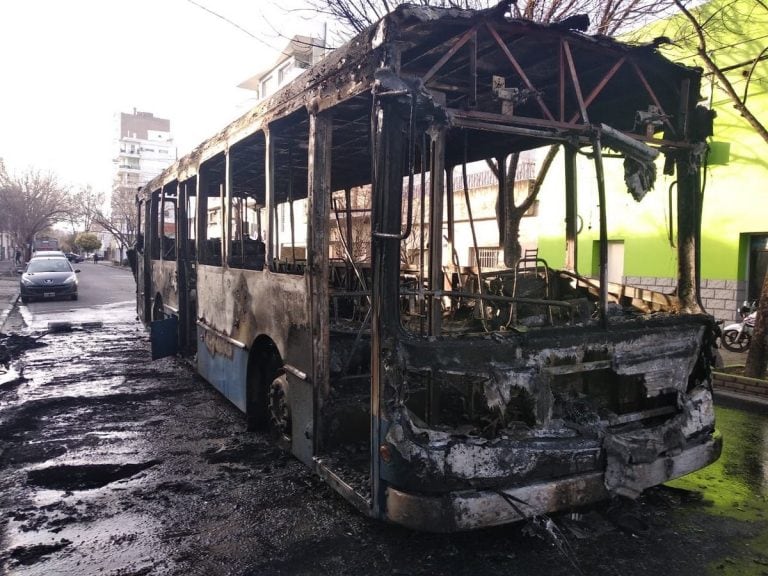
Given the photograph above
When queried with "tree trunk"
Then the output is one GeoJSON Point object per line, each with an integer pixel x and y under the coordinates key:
{"type": "Point", "coordinates": [512, 248]}
{"type": "Point", "coordinates": [509, 215]}
{"type": "Point", "coordinates": [757, 357]}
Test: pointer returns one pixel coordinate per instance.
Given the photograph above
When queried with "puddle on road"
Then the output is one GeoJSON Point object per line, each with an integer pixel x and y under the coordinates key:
{"type": "Point", "coordinates": [73, 520]}
{"type": "Point", "coordinates": [84, 476]}
{"type": "Point", "coordinates": [79, 545]}
{"type": "Point", "coordinates": [7, 376]}
{"type": "Point", "coordinates": [35, 388]}
{"type": "Point", "coordinates": [114, 313]}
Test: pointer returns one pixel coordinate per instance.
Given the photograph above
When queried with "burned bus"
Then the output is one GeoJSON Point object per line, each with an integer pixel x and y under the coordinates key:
{"type": "Point", "coordinates": [301, 259]}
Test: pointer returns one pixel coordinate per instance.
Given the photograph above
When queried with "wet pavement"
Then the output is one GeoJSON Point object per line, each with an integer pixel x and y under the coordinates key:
{"type": "Point", "coordinates": [112, 464]}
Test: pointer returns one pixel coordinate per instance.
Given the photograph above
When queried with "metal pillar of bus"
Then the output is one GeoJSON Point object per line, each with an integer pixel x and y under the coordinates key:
{"type": "Point", "coordinates": [319, 194]}
{"type": "Point", "coordinates": [385, 321]}
{"type": "Point", "coordinates": [185, 270]}
{"type": "Point", "coordinates": [571, 210]}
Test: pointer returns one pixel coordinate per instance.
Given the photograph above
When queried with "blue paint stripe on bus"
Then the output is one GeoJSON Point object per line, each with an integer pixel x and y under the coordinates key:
{"type": "Point", "coordinates": [227, 375]}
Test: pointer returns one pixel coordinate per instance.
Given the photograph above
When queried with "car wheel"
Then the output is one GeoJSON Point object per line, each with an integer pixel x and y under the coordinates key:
{"type": "Point", "coordinates": [74, 296]}
{"type": "Point", "coordinates": [25, 299]}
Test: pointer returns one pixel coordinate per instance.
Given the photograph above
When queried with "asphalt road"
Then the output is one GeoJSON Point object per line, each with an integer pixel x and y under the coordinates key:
{"type": "Point", "coordinates": [111, 464]}
{"type": "Point", "coordinates": [106, 293]}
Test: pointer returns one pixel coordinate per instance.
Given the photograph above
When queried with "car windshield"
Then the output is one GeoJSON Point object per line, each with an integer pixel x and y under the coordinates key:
{"type": "Point", "coordinates": [49, 265]}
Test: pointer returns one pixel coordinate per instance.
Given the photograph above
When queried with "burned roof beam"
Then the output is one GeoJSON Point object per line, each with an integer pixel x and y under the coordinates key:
{"type": "Point", "coordinates": [599, 88]}
{"type": "Point", "coordinates": [519, 70]}
{"type": "Point", "coordinates": [459, 116]}
{"type": "Point", "coordinates": [575, 80]}
{"type": "Point", "coordinates": [463, 39]}
{"type": "Point", "coordinates": [652, 94]}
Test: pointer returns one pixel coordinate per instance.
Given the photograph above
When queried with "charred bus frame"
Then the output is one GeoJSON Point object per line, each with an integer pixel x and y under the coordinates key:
{"type": "Point", "coordinates": [429, 397]}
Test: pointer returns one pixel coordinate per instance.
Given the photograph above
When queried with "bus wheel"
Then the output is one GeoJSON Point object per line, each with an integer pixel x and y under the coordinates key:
{"type": "Point", "coordinates": [279, 407]}
{"type": "Point", "coordinates": [257, 394]}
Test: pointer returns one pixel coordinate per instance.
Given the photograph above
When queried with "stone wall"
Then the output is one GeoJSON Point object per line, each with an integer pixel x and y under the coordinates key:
{"type": "Point", "coordinates": [721, 298]}
{"type": "Point", "coordinates": [723, 381]}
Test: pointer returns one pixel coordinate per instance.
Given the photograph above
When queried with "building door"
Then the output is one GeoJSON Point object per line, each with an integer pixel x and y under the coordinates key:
{"type": "Point", "coordinates": [615, 271]}
{"type": "Point", "coordinates": [758, 265]}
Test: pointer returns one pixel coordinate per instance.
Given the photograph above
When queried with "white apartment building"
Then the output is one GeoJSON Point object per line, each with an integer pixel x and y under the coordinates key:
{"type": "Point", "coordinates": [144, 148]}
{"type": "Point", "coordinates": [300, 53]}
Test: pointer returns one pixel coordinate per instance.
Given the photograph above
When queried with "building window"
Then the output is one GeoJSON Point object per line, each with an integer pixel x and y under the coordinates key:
{"type": "Point", "coordinates": [489, 257]}
{"type": "Point", "coordinates": [282, 74]}
{"type": "Point", "coordinates": [266, 86]}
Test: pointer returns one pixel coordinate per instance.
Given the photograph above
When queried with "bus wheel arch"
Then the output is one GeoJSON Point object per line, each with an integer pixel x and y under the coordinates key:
{"type": "Point", "coordinates": [267, 400]}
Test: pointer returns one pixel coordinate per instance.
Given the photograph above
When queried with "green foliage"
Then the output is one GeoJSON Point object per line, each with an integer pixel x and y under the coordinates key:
{"type": "Point", "coordinates": [88, 242]}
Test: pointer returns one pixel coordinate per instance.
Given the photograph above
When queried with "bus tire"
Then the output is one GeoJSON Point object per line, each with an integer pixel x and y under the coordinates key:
{"type": "Point", "coordinates": [263, 368]}
{"type": "Point", "coordinates": [279, 407]}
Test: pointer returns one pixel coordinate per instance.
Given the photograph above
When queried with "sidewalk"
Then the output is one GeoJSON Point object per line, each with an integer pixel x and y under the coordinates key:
{"type": "Point", "coordinates": [9, 289]}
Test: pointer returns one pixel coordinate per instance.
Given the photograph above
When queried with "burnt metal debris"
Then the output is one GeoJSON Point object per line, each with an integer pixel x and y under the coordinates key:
{"type": "Point", "coordinates": [301, 274]}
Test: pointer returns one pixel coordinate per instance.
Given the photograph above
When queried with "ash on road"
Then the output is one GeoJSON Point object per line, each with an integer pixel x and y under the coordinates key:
{"type": "Point", "coordinates": [112, 464]}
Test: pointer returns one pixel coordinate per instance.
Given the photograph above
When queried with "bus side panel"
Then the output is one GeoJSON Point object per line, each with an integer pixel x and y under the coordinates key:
{"type": "Point", "coordinates": [165, 282]}
{"type": "Point", "coordinates": [244, 305]}
{"type": "Point", "coordinates": [224, 365]}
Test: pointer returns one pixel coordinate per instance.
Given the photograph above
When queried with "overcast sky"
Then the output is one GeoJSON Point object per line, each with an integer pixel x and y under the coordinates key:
{"type": "Point", "coordinates": [69, 66]}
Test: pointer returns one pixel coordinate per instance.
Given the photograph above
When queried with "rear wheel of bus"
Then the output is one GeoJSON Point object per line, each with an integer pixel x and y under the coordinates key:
{"type": "Point", "coordinates": [279, 408]}
{"type": "Point", "coordinates": [267, 399]}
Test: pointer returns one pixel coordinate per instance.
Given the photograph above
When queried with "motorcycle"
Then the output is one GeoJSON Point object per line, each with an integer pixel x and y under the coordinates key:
{"type": "Point", "coordinates": [738, 336]}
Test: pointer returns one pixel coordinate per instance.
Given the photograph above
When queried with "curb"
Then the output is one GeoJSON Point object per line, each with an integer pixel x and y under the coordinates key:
{"type": "Point", "coordinates": [7, 312]}
{"type": "Point", "coordinates": [729, 398]}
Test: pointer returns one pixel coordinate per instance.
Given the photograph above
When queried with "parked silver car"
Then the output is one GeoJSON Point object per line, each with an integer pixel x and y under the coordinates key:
{"type": "Point", "coordinates": [48, 254]}
{"type": "Point", "coordinates": [47, 278]}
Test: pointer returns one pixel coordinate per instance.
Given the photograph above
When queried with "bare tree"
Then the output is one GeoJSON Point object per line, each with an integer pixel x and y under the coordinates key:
{"type": "Point", "coordinates": [708, 30]}
{"type": "Point", "coordinates": [605, 16]}
{"type": "Point", "coordinates": [32, 202]}
{"type": "Point", "coordinates": [86, 203]}
{"type": "Point", "coordinates": [120, 220]}
{"type": "Point", "coordinates": [712, 27]}
{"type": "Point", "coordinates": [352, 229]}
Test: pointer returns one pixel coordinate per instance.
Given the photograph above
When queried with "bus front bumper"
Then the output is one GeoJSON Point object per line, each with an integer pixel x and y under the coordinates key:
{"type": "Point", "coordinates": [471, 509]}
